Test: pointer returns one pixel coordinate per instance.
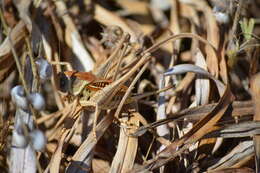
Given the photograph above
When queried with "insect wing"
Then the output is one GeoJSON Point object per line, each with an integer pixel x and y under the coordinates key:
{"type": "Point", "coordinates": [87, 76]}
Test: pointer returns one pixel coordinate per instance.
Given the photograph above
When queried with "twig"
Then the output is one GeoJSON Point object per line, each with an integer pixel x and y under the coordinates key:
{"type": "Point", "coordinates": [131, 87]}
{"type": "Point", "coordinates": [236, 20]}
{"type": "Point", "coordinates": [34, 68]}
{"type": "Point", "coordinates": [18, 65]}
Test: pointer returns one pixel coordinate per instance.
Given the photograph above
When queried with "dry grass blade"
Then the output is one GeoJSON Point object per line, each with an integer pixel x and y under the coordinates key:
{"type": "Point", "coordinates": [240, 130]}
{"type": "Point", "coordinates": [202, 86]}
{"type": "Point", "coordinates": [184, 68]}
{"type": "Point", "coordinates": [240, 109]}
{"type": "Point", "coordinates": [175, 24]}
{"type": "Point", "coordinates": [16, 34]}
{"type": "Point", "coordinates": [161, 114]}
{"type": "Point", "coordinates": [241, 153]}
{"type": "Point", "coordinates": [234, 170]}
{"type": "Point", "coordinates": [73, 38]}
{"type": "Point", "coordinates": [255, 91]}
{"type": "Point", "coordinates": [57, 156]}
{"type": "Point", "coordinates": [127, 145]}
{"type": "Point", "coordinates": [127, 148]}
{"type": "Point", "coordinates": [6, 62]}
{"type": "Point", "coordinates": [88, 145]}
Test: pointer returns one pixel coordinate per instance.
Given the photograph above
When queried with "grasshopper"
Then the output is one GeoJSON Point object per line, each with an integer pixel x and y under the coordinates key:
{"type": "Point", "coordinates": [101, 93]}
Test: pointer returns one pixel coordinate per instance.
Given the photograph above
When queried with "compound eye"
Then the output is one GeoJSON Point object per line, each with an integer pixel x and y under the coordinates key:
{"type": "Point", "coordinates": [63, 82]}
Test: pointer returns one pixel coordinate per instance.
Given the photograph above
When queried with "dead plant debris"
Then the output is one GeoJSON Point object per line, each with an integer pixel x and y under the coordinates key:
{"type": "Point", "coordinates": [129, 86]}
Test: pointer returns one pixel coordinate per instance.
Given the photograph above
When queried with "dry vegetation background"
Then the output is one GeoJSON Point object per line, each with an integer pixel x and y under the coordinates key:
{"type": "Point", "coordinates": [173, 86]}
